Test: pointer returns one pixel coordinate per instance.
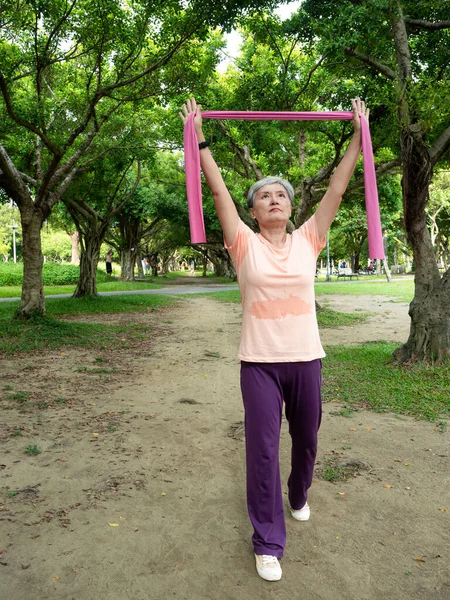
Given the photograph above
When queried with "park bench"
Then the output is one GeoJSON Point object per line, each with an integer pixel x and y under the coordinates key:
{"type": "Point", "coordinates": [347, 272]}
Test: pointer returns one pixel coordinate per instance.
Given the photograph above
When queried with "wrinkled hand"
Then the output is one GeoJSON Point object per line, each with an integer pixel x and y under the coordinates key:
{"type": "Point", "coordinates": [359, 108]}
{"type": "Point", "coordinates": [190, 107]}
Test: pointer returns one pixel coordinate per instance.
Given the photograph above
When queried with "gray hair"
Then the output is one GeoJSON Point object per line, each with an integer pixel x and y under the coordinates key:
{"type": "Point", "coordinates": [269, 181]}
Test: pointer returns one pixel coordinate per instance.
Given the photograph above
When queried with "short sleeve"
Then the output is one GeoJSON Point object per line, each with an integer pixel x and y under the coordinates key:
{"type": "Point", "coordinates": [309, 231]}
{"type": "Point", "coordinates": [239, 248]}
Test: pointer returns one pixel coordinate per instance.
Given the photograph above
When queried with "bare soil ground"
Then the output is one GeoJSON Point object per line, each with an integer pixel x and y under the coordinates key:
{"type": "Point", "coordinates": [138, 492]}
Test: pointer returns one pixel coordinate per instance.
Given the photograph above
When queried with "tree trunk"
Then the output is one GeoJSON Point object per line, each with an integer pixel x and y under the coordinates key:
{"type": "Point", "coordinates": [387, 270]}
{"type": "Point", "coordinates": [90, 252]}
{"type": "Point", "coordinates": [33, 302]}
{"type": "Point", "coordinates": [429, 337]}
{"type": "Point", "coordinates": [128, 260]}
{"type": "Point", "coordinates": [75, 254]}
{"type": "Point", "coordinates": [140, 268]}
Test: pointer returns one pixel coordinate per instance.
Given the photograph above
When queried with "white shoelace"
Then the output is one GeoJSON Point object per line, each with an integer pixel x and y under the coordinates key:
{"type": "Point", "coordinates": [266, 559]}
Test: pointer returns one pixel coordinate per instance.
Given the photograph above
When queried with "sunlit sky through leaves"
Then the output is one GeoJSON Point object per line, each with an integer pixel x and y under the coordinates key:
{"type": "Point", "coordinates": [234, 40]}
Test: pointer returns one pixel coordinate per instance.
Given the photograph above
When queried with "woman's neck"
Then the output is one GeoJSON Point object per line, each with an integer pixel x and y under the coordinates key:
{"type": "Point", "coordinates": [274, 235]}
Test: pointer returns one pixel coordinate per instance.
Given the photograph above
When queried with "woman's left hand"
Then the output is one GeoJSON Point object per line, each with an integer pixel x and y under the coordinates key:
{"type": "Point", "coordinates": [359, 108]}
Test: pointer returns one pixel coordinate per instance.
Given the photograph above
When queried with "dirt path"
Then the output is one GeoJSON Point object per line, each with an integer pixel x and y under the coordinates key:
{"type": "Point", "coordinates": [138, 492]}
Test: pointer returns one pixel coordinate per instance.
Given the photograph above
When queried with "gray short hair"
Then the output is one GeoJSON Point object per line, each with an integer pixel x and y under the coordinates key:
{"type": "Point", "coordinates": [269, 181]}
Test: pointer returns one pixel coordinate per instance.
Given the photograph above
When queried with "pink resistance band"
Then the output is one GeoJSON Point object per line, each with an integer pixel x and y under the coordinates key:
{"type": "Point", "coordinates": [192, 167]}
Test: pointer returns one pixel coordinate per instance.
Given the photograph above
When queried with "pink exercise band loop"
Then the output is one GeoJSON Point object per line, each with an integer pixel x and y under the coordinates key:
{"type": "Point", "coordinates": [193, 181]}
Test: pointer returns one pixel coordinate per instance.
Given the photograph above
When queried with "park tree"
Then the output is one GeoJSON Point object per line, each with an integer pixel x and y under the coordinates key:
{"type": "Point", "coordinates": [66, 69]}
{"type": "Point", "coordinates": [401, 48]}
{"type": "Point", "coordinates": [92, 202]}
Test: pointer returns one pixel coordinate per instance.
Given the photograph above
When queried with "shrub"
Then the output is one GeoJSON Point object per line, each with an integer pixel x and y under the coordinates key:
{"type": "Point", "coordinates": [52, 274]}
{"type": "Point", "coordinates": [11, 273]}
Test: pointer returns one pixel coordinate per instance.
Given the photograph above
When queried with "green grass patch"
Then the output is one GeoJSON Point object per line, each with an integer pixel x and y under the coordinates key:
{"type": "Point", "coordinates": [364, 376]}
{"type": "Point", "coordinates": [400, 289]}
{"type": "Point", "coordinates": [50, 332]}
{"type": "Point", "coordinates": [336, 469]}
{"type": "Point", "coordinates": [328, 318]}
{"type": "Point", "coordinates": [210, 276]}
{"type": "Point", "coordinates": [107, 286]}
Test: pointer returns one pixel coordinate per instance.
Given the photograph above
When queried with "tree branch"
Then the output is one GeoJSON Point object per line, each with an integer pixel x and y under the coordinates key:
{"type": "Point", "coordinates": [3, 88]}
{"type": "Point", "coordinates": [154, 67]}
{"type": "Point", "coordinates": [371, 62]}
{"type": "Point", "coordinates": [380, 169]}
{"type": "Point", "coordinates": [440, 146]}
{"type": "Point", "coordinates": [310, 74]}
{"type": "Point", "coordinates": [14, 182]}
{"type": "Point", "coordinates": [428, 24]}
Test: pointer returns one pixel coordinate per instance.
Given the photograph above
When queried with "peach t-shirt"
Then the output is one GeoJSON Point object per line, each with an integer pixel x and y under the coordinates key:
{"type": "Point", "coordinates": [277, 288]}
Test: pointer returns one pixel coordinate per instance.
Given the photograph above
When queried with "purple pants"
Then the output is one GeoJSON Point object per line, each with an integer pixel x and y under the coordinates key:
{"type": "Point", "coordinates": [264, 387]}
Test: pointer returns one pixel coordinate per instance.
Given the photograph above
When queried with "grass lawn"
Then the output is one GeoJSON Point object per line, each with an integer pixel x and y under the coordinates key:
{"type": "Point", "coordinates": [400, 289]}
{"type": "Point", "coordinates": [364, 376]}
{"type": "Point", "coordinates": [50, 332]}
{"type": "Point", "coordinates": [15, 291]}
{"type": "Point", "coordinates": [210, 277]}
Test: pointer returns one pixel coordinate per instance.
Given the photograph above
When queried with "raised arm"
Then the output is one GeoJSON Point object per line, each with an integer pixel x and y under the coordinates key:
{"type": "Point", "coordinates": [226, 210]}
{"type": "Point", "coordinates": [329, 204]}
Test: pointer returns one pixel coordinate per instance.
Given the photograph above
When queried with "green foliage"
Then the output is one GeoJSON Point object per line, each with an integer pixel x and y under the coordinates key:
{"type": "Point", "coordinates": [56, 245]}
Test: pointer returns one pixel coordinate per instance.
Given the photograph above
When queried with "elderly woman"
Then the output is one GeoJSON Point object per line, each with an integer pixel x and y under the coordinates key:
{"type": "Point", "coordinates": [280, 349]}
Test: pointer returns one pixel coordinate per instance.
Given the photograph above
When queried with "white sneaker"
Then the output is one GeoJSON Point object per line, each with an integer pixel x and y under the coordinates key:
{"type": "Point", "coordinates": [302, 514]}
{"type": "Point", "coordinates": [268, 567]}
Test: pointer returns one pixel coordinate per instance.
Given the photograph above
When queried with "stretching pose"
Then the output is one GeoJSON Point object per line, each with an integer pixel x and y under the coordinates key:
{"type": "Point", "coordinates": [280, 348]}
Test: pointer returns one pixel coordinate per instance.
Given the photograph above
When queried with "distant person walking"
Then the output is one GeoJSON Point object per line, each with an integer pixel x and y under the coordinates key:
{"type": "Point", "coordinates": [108, 262]}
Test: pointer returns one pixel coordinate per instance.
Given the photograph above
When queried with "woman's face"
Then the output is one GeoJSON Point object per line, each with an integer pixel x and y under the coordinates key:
{"type": "Point", "coordinates": [271, 205]}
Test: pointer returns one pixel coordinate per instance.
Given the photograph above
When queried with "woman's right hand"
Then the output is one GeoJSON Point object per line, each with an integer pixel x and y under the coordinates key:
{"type": "Point", "coordinates": [189, 108]}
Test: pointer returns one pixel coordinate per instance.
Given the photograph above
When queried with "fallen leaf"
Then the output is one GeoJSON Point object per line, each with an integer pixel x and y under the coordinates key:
{"type": "Point", "coordinates": [407, 488]}
{"type": "Point", "coordinates": [406, 464]}
{"type": "Point", "coordinates": [369, 428]}
{"type": "Point", "coordinates": [419, 559]}
{"type": "Point", "coordinates": [95, 434]}
{"type": "Point", "coordinates": [341, 493]}
{"type": "Point", "coordinates": [443, 509]}
{"type": "Point", "coordinates": [352, 429]}
{"type": "Point", "coordinates": [55, 578]}
{"type": "Point", "coordinates": [113, 524]}
{"type": "Point", "coordinates": [337, 537]}
{"type": "Point", "coordinates": [163, 493]}
{"type": "Point", "coordinates": [388, 486]}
